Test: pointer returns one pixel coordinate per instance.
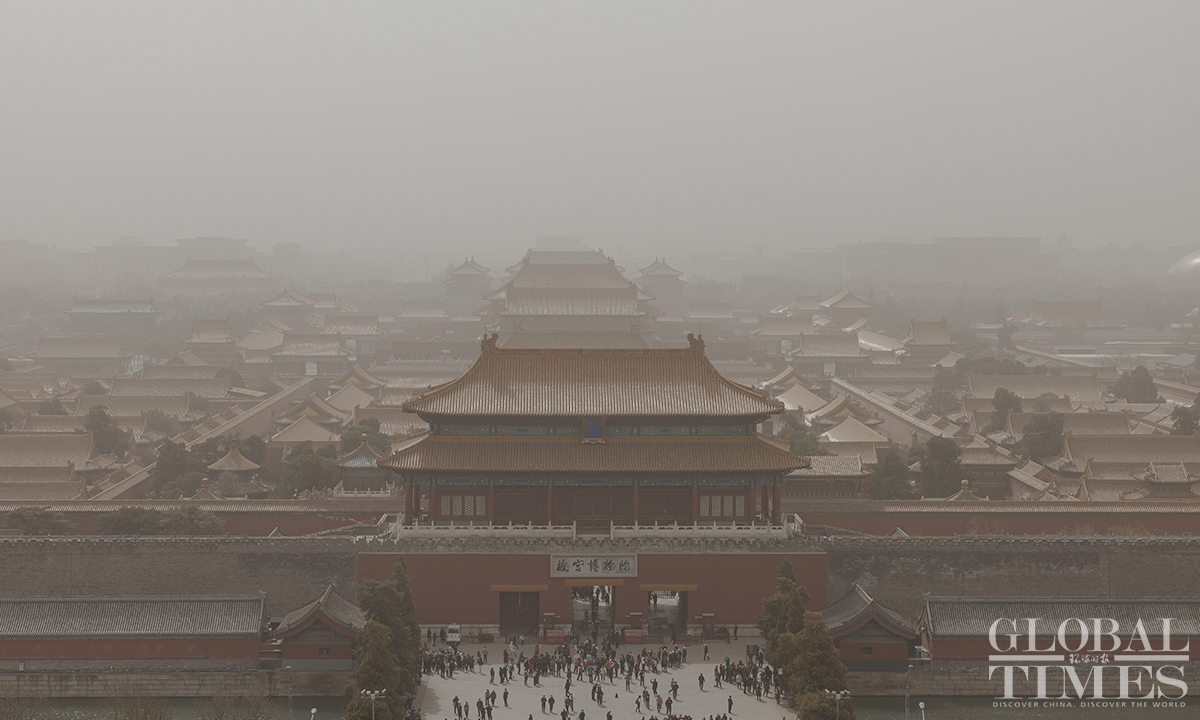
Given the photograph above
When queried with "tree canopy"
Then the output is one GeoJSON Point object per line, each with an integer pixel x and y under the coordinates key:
{"type": "Point", "coordinates": [375, 669]}
{"type": "Point", "coordinates": [38, 521]}
{"type": "Point", "coordinates": [941, 469]}
{"type": "Point", "coordinates": [53, 406]}
{"type": "Point", "coordinates": [147, 521]}
{"type": "Point", "coordinates": [391, 603]}
{"type": "Point", "coordinates": [110, 439]}
{"type": "Point", "coordinates": [1042, 437]}
{"type": "Point", "coordinates": [797, 642]}
{"type": "Point", "coordinates": [891, 481]}
{"type": "Point", "coordinates": [1137, 386]}
{"type": "Point", "coordinates": [1004, 401]}
{"type": "Point", "coordinates": [366, 430]}
{"type": "Point", "coordinates": [800, 439]}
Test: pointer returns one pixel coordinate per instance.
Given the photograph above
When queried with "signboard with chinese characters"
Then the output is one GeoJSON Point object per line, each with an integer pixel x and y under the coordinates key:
{"type": "Point", "coordinates": [593, 566]}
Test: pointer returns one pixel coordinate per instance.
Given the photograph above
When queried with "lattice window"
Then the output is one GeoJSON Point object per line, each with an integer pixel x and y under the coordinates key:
{"type": "Point", "coordinates": [722, 506]}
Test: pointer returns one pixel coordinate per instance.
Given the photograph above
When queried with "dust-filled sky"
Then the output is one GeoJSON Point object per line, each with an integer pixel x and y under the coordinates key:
{"type": "Point", "coordinates": [656, 126]}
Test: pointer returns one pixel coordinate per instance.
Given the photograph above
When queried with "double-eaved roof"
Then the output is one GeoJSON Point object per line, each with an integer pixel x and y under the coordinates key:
{"type": "Point", "coordinates": [661, 268]}
{"type": "Point", "coordinates": [506, 382]}
{"type": "Point", "coordinates": [132, 617]}
{"type": "Point", "coordinates": [629, 455]}
{"type": "Point", "coordinates": [569, 289]}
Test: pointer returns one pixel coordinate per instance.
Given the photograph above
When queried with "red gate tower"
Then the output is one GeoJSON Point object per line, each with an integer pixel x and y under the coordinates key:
{"type": "Point", "coordinates": [594, 438]}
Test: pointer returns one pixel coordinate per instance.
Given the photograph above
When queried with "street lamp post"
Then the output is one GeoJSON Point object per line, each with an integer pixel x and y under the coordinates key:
{"type": "Point", "coordinates": [314, 714]}
{"type": "Point", "coordinates": [837, 698]}
{"type": "Point", "coordinates": [374, 695]}
{"type": "Point", "coordinates": [290, 674]}
{"type": "Point", "coordinates": [906, 686]}
{"type": "Point", "coordinates": [922, 706]}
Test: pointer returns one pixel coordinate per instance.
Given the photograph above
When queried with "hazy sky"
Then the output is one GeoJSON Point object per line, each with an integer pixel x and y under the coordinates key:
{"type": "Point", "coordinates": [652, 125]}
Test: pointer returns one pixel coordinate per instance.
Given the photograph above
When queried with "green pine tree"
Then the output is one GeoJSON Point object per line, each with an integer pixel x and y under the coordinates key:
{"type": "Point", "coordinates": [375, 669]}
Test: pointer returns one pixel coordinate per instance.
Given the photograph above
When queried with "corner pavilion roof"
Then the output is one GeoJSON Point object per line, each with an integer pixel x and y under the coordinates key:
{"type": "Point", "coordinates": [505, 382]}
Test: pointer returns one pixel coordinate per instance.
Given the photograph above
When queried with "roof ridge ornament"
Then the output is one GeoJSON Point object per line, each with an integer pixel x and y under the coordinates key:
{"type": "Point", "coordinates": [696, 342]}
{"type": "Point", "coordinates": [489, 343]}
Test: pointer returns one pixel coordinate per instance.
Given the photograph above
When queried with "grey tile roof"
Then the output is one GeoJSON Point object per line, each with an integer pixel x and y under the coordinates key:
{"type": "Point", "coordinates": [354, 325]}
{"type": "Point", "coordinates": [218, 269]}
{"type": "Point", "coordinates": [783, 326]}
{"type": "Point", "coordinates": [233, 461]}
{"type": "Point", "coordinates": [834, 345]}
{"type": "Point", "coordinates": [208, 388]}
{"type": "Point", "coordinates": [928, 332]}
{"type": "Point", "coordinates": [857, 606]}
{"type": "Point", "coordinates": [845, 300]}
{"type": "Point", "coordinates": [175, 406]}
{"type": "Point", "coordinates": [832, 466]}
{"type": "Point", "coordinates": [180, 372]}
{"type": "Point", "coordinates": [45, 451]}
{"type": "Point", "coordinates": [311, 345]}
{"type": "Point", "coordinates": [289, 298]}
{"type": "Point", "coordinates": [81, 348]}
{"type": "Point", "coordinates": [216, 330]}
{"type": "Point", "coordinates": [851, 430]}
{"type": "Point", "coordinates": [132, 617]}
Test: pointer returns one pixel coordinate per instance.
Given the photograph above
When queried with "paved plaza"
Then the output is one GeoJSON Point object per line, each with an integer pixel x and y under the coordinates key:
{"type": "Point", "coordinates": [436, 695]}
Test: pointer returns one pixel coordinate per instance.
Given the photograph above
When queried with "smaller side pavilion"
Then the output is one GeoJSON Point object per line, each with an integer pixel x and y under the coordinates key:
{"type": "Point", "coordinates": [869, 635]}
{"type": "Point", "coordinates": [320, 635]}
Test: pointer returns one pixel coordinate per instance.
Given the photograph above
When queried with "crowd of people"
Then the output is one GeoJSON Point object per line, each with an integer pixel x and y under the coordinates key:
{"type": "Point", "coordinates": [597, 665]}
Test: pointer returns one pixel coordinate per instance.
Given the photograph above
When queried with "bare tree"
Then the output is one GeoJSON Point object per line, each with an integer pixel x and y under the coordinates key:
{"type": "Point", "coordinates": [19, 708]}
{"type": "Point", "coordinates": [255, 704]}
{"type": "Point", "coordinates": [134, 707]}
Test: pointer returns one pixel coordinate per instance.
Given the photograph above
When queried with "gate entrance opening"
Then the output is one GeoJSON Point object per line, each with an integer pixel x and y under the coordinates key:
{"type": "Point", "coordinates": [592, 610]}
{"type": "Point", "coordinates": [667, 615]}
{"type": "Point", "coordinates": [520, 613]}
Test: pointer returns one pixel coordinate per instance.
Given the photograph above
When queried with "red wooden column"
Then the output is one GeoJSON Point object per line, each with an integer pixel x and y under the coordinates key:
{"type": "Point", "coordinates": [777, 505]}
{"type": "Point", "coordinates": [491, 510]}
{"type": "Point", "coordinates": [433, 500]}
{"type": "Point", "coordinates": [637, 512]}
{"type": "Point", "coordinates": [408, 503]}
{"type": "Point", "coordinates": [549, 505]}
{"type": "Point", "coordinates": [695, 503]}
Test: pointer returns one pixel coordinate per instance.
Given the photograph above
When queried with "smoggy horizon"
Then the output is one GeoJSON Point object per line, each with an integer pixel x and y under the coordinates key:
{"type": "Point", "coordinates": [679, 129]}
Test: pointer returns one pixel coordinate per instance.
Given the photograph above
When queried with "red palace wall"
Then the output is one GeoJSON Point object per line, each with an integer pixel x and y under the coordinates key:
{"type": "Point", "coordinates": [458, 588]}
{"type": "Point", "coordinates": [260, 524]}
{"type": "Point", "coordinates": [132, 648]}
